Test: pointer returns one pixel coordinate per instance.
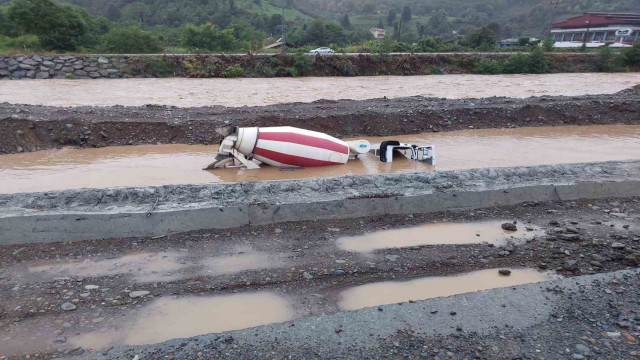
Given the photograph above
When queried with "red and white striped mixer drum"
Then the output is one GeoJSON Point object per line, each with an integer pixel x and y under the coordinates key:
{"type": "Point", "coordinates": [286, 146]}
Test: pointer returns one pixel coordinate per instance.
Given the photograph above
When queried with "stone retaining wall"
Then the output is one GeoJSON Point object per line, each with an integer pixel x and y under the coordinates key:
{"type": "Point", "coordinates": [60, 66]}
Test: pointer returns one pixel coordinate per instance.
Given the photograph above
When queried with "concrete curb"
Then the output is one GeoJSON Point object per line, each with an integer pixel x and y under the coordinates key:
{"type": "Point", "coordinates": [92, 226]}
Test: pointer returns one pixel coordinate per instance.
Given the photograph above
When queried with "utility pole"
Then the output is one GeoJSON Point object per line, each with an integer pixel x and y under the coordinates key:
{"type": "Point", "coordinates": [555, 4]}
{"type": "Point", "coordinates": [586, 35]}
{"type": "Point", "coordinates": [284, 42]}
{"type": "Point", "coordinates": [399, 29]}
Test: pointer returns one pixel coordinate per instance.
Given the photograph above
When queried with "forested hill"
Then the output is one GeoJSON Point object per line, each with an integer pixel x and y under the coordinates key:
{"type": "Point", "coordinates": [431, 17]}
{"type": "Point", "coordinates": [438, 17]}
{"type": "Point", "coordinates": [135, 26]}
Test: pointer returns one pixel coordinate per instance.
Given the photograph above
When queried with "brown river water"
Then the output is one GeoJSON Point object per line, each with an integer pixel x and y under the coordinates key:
{"type": "Point", "coordinates": [184, 92]}
{"type": "Point", "coordinates": [182, 164]}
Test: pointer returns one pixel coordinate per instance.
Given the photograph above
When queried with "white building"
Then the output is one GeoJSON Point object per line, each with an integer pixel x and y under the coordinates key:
{"type": "Point", "coordinates": [378, 33]}
{"type": "Point", "coordinates": [597, 29]}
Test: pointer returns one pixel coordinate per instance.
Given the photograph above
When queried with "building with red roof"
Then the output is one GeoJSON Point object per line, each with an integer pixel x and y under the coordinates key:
{"type": "Point", "coordinates": [597, 29]}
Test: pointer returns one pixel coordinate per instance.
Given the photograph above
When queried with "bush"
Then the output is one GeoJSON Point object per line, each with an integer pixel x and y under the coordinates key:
{"type": "Point", "coordinates": [517, 64]}
{"type": "Point", "coordinates": [487, 66]}
{"type": "Point", "coordinates": [346, 68]}
{"type": "Point", "coordinates": [130, 40]}
{"type": "Point", "coordinates": [233, 71]}
{"type": "Point", "coordinates": [632, 55]}
{"type": "Point", "coordinates": [302, 65]}
{"type": "Point", "coordinates": [70, 76]}
{"type": "Point", "coordinates": [208, 37]}
{"type": "Point", "coordinates": [194, 67]}
{"type": "Point", "coordinates": [402, 47]}
{"type": "Point", "coordinates": [383, 47]}
{"type": "Point", "coordinates": [156, 66]}
{"type": "Point", "coordinates": [538, 62]}
{"type": "Point", "coordinates": [533, 63]}
{"type": "Point", "coordinates": [24, 42]}
{"type": "Point", "coordinates": [607, 61]}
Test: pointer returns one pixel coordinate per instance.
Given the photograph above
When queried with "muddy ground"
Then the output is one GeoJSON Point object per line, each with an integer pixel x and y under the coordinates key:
{"type": "Point", "coordinates": [578, 238]}
{"type": "Point", "coordinates": [32, 128]}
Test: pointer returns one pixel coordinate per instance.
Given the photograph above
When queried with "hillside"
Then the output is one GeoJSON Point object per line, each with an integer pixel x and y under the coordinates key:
{"type": "Point", "coordinates": [515, 17]}
{"type": "Point", "coordinates": [425, 17]}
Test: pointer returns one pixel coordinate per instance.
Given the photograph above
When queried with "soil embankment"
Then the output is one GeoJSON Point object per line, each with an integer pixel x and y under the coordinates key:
{"type": "Point", "coordinates": [32, 128]}
{"type": "Point", "coordinates": [269, 66]}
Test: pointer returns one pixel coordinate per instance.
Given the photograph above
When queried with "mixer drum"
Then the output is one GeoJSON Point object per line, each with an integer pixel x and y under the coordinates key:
{"type": "Point", "coordinates": [286, 146]}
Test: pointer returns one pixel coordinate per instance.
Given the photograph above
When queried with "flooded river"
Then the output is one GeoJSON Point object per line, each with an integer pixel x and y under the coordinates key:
{"type": "Point", "coordinates": [184, 92]}
{"type": "Point", "coordinates": [182, 164]}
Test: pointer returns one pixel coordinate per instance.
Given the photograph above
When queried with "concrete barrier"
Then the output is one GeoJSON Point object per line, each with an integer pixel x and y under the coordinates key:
{"type": "Point", "coordinates": [24, 229]}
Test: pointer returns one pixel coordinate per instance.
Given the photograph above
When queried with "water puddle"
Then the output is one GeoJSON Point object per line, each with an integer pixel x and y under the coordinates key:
{"type": "Point", "coordinates": [146, 267]}
{"type": "Point", "coordinates": [438, 234]}
{"type": "Point", "coordinates": [166, 319]}
{"type": "Point", "coordinates": [256, 92]}
{"type": "Point", "coordinates": [182, 164]}
{"type": "Point", "coordinates": [432, 287]}
{"type": "Point", "coordinates": [242, 262]}
{"type": "Point", "coordinates": [143, 266]}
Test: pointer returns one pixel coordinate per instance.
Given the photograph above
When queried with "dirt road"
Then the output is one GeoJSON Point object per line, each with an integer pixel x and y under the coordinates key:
{"type": "Point", "coordinates": [65, 299]}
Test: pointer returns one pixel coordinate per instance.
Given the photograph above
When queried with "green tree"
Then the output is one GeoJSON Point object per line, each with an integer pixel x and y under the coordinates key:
{"type": "Point", "coordinates": [59, 26]}
{"type": "Point", "coordinates": [5, 25]}
{"type": "Point", "coordinates": [131, 40]}
{"type": "Point", "coordinates": [406, 13]}
{"type": "Point", "coordinates": [208, 37]}
{"type": "Point", "coordinates": [345, 22]}
{"type": "Point", "coordinates": [249, 36]}
{"type": "Point", "coordinates": [137, 12]}
{"type": "Point", "coordinates": [380, 24]}
{"type": "Point", "coordinates": [482, 37]}
{"type": "Point", "coordinates": [391, 17]}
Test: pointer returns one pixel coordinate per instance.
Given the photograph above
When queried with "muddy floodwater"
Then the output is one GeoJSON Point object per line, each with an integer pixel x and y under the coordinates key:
{"type": "Point", "coordinates": [391, 292]}
{"type": "Point", "coordinates": [184, 92]}
{"type": "Point", "coordinates": [438, 234]}
{"type": "Point", "coordinates": [169, 318]}
{"type": "Point", "coordinates": [182, 164]}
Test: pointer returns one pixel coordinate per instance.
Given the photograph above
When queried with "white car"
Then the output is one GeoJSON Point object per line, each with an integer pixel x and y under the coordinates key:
{"type": "Point", "coordinates": [321, 51]}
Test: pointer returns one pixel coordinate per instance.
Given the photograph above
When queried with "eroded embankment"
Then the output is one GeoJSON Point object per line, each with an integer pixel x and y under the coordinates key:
{"type": "Point", "coordinates": [31, 128]}
{"type": "Point", "coordinates": [156, 211]}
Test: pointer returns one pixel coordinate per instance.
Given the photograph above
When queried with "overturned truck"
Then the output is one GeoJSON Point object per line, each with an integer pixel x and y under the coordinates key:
{"type": "Point", "coordinates": [287, 146]}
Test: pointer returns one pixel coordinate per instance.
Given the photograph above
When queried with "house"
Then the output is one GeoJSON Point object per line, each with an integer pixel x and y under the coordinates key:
{"type": "Point", "coordinates": [378, 33]}
{"type": "Point", "coordinates": [597, 29]}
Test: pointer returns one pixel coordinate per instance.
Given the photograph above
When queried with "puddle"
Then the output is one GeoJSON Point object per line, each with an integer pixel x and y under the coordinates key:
{"type": "Point", "coordinates": [147, 267]}
{"type": "Point", "coordinates": [432, 287]}
{"type": "Point", "coordinates": [166, 319]}
{"type": "Point", "coordinates": [437, 234]}
{"type": "Point", "coordinates": [144, 267]}
{"type": "Point", "coordinates": [181, 164]}
{"type": "Point", "coordinates": [256, 92]}
{"type": "Point", "coordinates": [242, 262]}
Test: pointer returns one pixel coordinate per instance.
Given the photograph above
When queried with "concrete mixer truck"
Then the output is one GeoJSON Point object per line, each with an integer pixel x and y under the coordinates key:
{"type": "Point", "coordinates": [287, 146]}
